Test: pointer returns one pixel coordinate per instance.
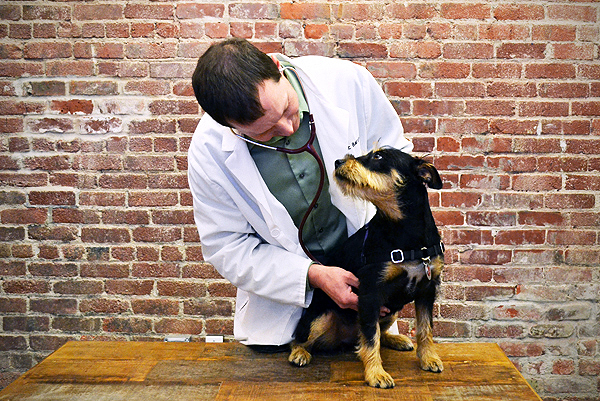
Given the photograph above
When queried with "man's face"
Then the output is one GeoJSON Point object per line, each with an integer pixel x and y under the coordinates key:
{"type": "Point", "coordinates": [281, 118]}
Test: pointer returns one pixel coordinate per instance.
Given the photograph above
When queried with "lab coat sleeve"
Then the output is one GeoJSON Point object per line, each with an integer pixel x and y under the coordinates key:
{"type": "Point", "coordinates": [237, 252]}
{"type": "Point", "coordinates": [383, 125]}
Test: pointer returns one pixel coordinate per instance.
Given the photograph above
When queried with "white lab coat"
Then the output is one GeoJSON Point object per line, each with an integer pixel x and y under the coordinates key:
{"type": "Point", "coordinates": [245, 232]}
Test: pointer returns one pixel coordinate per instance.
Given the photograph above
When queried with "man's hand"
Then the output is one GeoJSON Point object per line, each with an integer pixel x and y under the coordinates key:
{"type": "Point", "coordinates": [337, 283]}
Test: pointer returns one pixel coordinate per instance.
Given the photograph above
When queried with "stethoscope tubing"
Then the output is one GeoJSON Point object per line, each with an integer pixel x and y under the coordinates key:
{"type": "Point", "coordinates": [308, 147]}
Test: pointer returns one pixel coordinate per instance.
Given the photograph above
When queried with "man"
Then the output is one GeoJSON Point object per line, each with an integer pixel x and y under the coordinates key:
{"type": "Point", "coordinates": [250, 200]}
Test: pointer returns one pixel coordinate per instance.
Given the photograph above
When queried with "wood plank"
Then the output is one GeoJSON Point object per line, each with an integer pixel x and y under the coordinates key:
{"type": "Point", "coordinates": [122, 350]}
{"type": "Point", "coordinates": [110, 392]}
{"type": "Point", "coordinates": [248, 391]}
{"type": "Point", "coordinates": [212, 371]}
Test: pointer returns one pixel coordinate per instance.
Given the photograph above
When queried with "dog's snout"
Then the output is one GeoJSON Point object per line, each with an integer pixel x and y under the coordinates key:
{"type": "Point", "coordinates": [339, 162]}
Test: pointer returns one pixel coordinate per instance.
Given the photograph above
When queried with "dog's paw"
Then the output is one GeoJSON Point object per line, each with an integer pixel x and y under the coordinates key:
{"type": "Point", "coordinates": [300, 357]}
{"type": "Point", "coordinates": [398, 342]}
{"type": "Point", "coordinates": [432, 363]}
{"type": "Point", "coordinates": [379, 379]}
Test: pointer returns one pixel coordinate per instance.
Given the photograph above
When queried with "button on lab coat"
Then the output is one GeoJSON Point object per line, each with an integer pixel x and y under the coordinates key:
{"type": "Point", "coordinates": [245, 232]}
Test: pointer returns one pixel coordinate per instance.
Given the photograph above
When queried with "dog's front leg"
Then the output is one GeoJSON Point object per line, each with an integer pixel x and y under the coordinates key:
{"type": "Point", "coordinates": [425, 352]}
{"type": "Point", "coordinates": [370, 344]}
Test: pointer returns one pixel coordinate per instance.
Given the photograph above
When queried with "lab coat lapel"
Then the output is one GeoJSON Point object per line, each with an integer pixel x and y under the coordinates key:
{"type": "Point", "coordinates": [243, 171]}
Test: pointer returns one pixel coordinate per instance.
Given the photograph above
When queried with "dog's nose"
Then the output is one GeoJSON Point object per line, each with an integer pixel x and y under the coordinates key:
{"type": "Point", "coordinates": [338, 163]}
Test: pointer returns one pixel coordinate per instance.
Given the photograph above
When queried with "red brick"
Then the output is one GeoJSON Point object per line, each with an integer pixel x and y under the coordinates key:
{"type": "Point", "coordinates": [254, 10]}
{"type": "Point", "coordinates": [51, 198]}
{"type": "Point", "coordinates": [549, 70]}
{"type": "Point", "coordinates": [153, 11]}
{"type": "Point", "coordinates": [194, 10]}
{"type": "Point", "coordinates": [490, 107]}
{"type": "Point", "coordinates": [305, 11]}
{"type": "Point", "coordinates": [459, 89]}
{"type": "Point", "coordinates": [519, 12]}
{"type": "Point", "coordinates": [571, 237]}
{"type": "Point", "coordinates": [182, 289]}
{"type": "Point", "coordinates": [127, 325]}
{"type": "Point", "coordinates": [468, 51]}
{"type": "Point", "coordinates": [421, 49]}
{"type": "Point", "coordinates": [160, 269]}
{"type": "Point", "coordinates": [408, 89]}
{"type": "Point", "coordinates": [129, 287]}
{"type": "Point", "coordinates": [24, 216]}
{"type": "Point", "coordinates": [181, 326]}
{"type": "Point", "coordinates": [465, 11]}
{"type": "Point", "coordinates": [12, 343]}
{"type": "Point", "coordinates": [102, 198]}
{"type": "Point", "coordinates": [103, 306]}
{"type": "Point", "coordinates": [485, 257]}
{"type": "Point", "coordinates": [153, 199]}
{"type": "Point", "coordinates": [43, 50]}
{"type": "Point", "coordinates": [78, 287]}
{"type": "Point", "coordinates": [537, 182]}
{"type": "Point", "coordinates": [437, 107]}
{"type": "Point", "coordinates": [55, 306]}
{"type": "Point", "coordinates": [97, 12]}
{"type": "Point", "coordinates": [570, 201]}
{"type": "Point", "coordinates": [491, 218]}
{"type": "Point", "coordinates": [520, 237]}
{"type": "Point", "coordinates": [105, 235]}
{"type": "Point", "coordinates": [461, 199]}
{"type": "Point", "coordinates": [155, 306]}
{"type": "Point", "coordinates": [541, 218]}
{"type": "Point", "coordinates": [219, 326]}
{"type": "Point", "coordinates": [355, 50]}
{"type": "Point", "coordinates": [573, 13]}
{"type": "Point", "coordinates": [26, 287]}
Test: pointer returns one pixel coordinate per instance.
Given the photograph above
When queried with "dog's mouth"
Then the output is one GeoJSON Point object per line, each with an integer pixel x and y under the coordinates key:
{"type": "Point", "coordinates": [355, 180]}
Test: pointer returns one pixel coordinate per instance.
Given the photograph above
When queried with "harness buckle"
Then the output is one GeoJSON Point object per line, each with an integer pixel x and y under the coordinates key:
{"type": "Point", "coordinates": [393, 257]}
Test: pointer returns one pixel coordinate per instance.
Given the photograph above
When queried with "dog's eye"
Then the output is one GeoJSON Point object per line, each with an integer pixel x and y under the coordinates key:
{"type": "Point", "coordinates": [377, 156]}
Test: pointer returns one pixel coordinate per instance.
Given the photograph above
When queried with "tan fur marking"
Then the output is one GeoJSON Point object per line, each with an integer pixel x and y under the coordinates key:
{"type": "Point", "coordinates": [377, 188]}
{"type": "Point", "coordinates": [323, 331]}
{"type": "Point", "coordinates": [437, 266]}
{"type": "Point", "coordinates": [375, 375]}
{"type": "Point", "coordinates": [425, 350]}
{"type": "Point", "coordinates": [392, 270]}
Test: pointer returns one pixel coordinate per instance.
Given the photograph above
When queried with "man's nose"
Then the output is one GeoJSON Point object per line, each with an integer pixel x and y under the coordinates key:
{"type": "Point", "coordinates": [286, 127]}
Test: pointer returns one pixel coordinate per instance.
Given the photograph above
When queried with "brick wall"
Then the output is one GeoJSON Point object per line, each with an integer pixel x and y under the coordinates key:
{"type": "Point", "coordinates": [97, 239]}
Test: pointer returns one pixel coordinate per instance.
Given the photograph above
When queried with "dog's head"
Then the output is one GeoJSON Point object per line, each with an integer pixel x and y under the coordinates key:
{"type": "Point", "coordinates": [382, 175]}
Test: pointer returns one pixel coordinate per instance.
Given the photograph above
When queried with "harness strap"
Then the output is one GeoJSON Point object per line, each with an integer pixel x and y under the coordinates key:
{"type": "Point", "coordinates": [404, 255]}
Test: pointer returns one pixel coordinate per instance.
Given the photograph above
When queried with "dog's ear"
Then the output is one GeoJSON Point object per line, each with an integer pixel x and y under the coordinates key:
{"type": "Point", "coordinates": [429, 175]}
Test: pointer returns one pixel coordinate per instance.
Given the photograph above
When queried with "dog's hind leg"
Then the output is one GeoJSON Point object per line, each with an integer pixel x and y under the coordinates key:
{"type": "Point", "coordinates": [398, 342]}
{"type": "Point", "coordinates": [322, 331]}
{"type": "Point", "coordinates": [425, 352]}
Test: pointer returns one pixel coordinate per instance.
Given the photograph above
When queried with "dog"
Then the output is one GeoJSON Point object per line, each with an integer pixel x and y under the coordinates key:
{"type": "Point", "coordinates": [398, 258]}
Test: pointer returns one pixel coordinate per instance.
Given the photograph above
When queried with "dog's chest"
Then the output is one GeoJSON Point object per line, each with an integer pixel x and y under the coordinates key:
{"type": "Point", "coordinates": [412, 272]}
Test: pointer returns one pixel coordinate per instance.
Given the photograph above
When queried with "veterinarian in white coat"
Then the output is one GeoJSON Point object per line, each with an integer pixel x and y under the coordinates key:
{"type": "Point", "coordinates": [245, 232]}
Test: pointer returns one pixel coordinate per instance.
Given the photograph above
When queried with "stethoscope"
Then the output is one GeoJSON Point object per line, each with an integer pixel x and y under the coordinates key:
{"type": "Point", "coordinates": [308, 147]}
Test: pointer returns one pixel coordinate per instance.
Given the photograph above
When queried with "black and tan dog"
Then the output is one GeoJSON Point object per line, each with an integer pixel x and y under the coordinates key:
{"type": "Point", "coordinates": [398, 258]}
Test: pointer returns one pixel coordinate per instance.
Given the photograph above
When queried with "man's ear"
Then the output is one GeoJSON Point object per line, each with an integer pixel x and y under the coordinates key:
{"type": "Point", "coordinates": [429, 175]}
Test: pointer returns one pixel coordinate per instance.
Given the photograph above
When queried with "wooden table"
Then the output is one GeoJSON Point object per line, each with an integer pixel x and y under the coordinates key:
{"type": "Point", "coordinates": [151, 371]}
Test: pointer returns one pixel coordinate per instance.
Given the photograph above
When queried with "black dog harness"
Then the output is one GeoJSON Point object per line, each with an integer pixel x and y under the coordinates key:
{"type": "Point", "coordinates": [403, 255]}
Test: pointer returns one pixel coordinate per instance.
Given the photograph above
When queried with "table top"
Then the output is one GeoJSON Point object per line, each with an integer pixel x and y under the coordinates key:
{"type": "Point", "coordinates": [151, 371]}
